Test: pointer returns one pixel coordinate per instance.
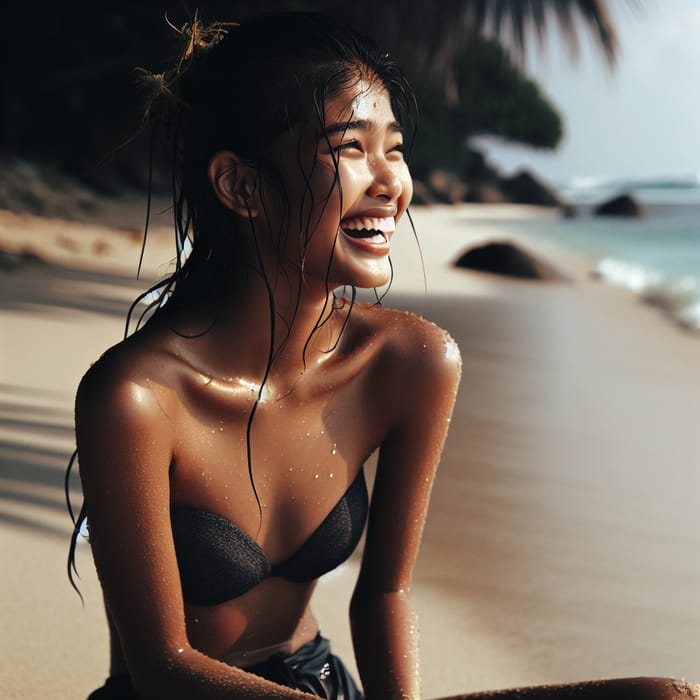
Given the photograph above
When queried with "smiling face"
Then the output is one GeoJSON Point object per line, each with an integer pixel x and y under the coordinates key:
{"type": "Point", "coordinates": [348, 184]}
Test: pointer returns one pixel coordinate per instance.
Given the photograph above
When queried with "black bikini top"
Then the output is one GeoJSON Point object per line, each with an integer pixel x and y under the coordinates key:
{"type": "Point", "coordinates": [218, 561]}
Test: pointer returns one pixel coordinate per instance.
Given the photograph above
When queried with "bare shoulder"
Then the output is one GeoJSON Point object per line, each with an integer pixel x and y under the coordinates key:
{"type": "Point", "coordinates": [131, 378]}
{"type": "Point", "coordinates": [413, 373]}
{"type": "Point", "coordinates": [413, 346]}
{"type": "Point", "coordinates": [125, 433]}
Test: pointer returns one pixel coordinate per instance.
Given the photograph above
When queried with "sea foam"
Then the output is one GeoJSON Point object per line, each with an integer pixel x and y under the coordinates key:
{"type": "Point", "coordinates": [678, 298]}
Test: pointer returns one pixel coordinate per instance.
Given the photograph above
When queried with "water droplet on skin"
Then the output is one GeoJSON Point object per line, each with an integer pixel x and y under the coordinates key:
{"type": "Point", "coordinates": [315, 476]}
{"type": "Point", "coordinates": [181, 651]}
{"type": "Point", "coordinates": [451, 349]}
{"type": "Point", "coordinates": [334, 449]}
{"type": "Point", "coordinates": [331, 475]}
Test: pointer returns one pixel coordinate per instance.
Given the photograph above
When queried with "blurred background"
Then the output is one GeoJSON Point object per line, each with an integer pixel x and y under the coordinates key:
{"type": "Point", "coordinates": [561, 103]}
{"type": "Point", "coordinates": [69, 93]}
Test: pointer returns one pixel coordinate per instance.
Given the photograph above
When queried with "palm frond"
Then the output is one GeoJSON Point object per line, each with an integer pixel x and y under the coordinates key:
{"type": "Point", "coordinates": [437, 30]}
{"type": "Point", "coordinates": [513, 20]}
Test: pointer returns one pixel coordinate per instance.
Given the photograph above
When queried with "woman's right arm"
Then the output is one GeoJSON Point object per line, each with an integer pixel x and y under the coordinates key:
{"type": "Point", "coordinates": [125, 444]}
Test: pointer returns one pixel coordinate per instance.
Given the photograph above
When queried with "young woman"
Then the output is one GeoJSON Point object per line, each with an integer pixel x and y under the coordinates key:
{"type": "Point", "coordinates": [222, 444]}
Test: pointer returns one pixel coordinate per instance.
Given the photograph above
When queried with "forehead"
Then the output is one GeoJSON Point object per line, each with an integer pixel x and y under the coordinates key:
{"type": "Point", "coordinates": [367, 100]}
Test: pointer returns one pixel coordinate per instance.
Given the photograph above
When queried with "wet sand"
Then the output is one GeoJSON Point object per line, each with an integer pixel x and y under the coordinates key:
{"type": "Point", "coordinates": [563, 540]}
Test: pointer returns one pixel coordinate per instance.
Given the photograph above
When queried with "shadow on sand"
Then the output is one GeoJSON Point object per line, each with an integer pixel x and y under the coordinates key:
{"type": "Point", "coordinates": [35, 441]}
{"type": "Point", "coordinates": [37, 286]}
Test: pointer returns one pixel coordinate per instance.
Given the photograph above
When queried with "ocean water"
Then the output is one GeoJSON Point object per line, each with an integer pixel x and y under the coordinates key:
{"type": "Point", "coordinates": [656, 257]}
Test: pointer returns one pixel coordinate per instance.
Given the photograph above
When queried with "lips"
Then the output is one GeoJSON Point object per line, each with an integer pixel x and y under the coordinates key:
{"type": "Point", "coordinates": [368, 229]}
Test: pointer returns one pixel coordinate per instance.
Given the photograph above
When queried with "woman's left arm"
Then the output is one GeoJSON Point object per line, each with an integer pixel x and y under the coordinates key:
{"type": "Point", "coordinates": [422, 391]}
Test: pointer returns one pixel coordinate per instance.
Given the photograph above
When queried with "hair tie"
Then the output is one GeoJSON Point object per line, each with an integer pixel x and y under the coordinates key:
{"type": "Point", "coordinates": [198, 39]}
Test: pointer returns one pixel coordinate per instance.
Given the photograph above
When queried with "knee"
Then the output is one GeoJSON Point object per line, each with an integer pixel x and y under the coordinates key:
{"type": "Point", "coordinates": [648, 688]}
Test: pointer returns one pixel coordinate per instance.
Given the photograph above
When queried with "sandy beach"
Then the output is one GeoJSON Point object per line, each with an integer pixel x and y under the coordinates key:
{"type": "Point", "coordinates": [563, 541]}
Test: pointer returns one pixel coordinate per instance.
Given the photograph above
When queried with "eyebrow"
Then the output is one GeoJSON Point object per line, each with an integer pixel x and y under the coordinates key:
{"type": "Point", "coordinates": [356, 124]}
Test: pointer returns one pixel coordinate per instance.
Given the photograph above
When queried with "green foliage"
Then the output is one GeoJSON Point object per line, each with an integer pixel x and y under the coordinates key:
{"type": "Point", "coordinates": [497, 98]}
{"type": "Point", "coordinates": [494, 97]}
{"type": "Point", "coordinates": [70, 95]}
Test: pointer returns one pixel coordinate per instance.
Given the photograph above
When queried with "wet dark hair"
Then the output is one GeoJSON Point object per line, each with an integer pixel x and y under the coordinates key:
{"type": "Point", "coordinates": [238, 88]}
{"type": "Point", "coordinates": [258, 81]}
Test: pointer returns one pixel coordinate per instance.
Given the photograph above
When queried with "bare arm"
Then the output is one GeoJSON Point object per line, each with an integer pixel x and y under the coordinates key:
{"type": "Point", "coordinates": [383, 623]}
{"type": "Point", "coordinates": [125, 446]}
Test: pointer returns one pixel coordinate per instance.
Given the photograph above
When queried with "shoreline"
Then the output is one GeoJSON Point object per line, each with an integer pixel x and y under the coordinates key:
{"type": "Point", "coordinates": [563, 536]}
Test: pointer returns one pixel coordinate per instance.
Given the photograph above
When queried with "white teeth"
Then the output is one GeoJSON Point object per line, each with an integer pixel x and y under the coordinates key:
{"type": "Point", "coordinates": [386, 224]}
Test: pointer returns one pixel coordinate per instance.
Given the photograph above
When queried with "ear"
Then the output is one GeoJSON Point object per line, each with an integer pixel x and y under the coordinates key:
{"type": "Point", "coordinates": [234, 182]}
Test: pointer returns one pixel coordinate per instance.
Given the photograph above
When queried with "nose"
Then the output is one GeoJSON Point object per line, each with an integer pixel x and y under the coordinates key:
{"type": "Point", "coordinates": [385, 180]}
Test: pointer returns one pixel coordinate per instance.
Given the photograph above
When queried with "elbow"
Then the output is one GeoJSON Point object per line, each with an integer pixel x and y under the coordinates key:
{"type": "Point", "coordinates": [152, 682]}
{"type": "Point", "coordinates": [161, 677]}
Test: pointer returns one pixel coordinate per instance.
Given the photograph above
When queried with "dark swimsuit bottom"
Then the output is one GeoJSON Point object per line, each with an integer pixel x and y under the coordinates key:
{"type": "Point", "coordinates": [218, 561]}
{"type": "Point", "coordinates": [312, 669]}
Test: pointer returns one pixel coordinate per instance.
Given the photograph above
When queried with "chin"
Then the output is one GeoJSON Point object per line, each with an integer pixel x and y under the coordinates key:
{"type": "Point", "coordinates": [377, 274]}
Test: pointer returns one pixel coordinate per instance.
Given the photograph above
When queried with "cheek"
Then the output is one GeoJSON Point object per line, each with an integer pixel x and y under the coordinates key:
{"type": "Point", "coordinates": [324, 184]}
{"type": "Point", "coordinates": [406, 188]}
{"type": "Point", "coordinates": [351, 176]}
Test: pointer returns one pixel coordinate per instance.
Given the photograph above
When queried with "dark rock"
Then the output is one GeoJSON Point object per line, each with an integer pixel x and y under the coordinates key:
{"type": "Point", "coordinates": [483, 193]}
{"type": "Point", "coordinates": [509, 260]}
{"type": "Point", "coordinates": [525, 188]}
{"type": "Point", "coordinates": [569, 211]}
{"type": "Point", "coordinates": [446, 187]}
{"type": "Point", "coordinates": [478, 169]}
{"type": "Point", "coordinates": [421, 194]}
{"type": "Point", "coordinates": [622, 205]}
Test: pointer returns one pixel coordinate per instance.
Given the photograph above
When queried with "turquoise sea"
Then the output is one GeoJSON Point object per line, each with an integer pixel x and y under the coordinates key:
{"type": "Point", "coordinates": [656, 257]}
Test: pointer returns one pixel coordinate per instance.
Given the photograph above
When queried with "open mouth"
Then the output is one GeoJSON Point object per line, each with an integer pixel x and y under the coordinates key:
{"type": "Point", "coordinates": [369, 229]}
{"type": "Point", "coordinates": [371, 235]}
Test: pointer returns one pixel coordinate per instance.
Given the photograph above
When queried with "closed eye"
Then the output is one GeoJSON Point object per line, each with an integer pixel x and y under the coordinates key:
{"type": "Point", "coordinates": [396, 152]}
{"type": "Point", "coordinates": [347, 146]}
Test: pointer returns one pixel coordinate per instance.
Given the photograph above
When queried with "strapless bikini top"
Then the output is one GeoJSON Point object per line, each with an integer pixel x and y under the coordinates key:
{"type": "Point", "coordinates": [218, 561]}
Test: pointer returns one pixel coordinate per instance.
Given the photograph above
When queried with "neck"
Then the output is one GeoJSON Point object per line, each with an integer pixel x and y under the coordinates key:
{"type": "Point", "coordinates": [284, 327]}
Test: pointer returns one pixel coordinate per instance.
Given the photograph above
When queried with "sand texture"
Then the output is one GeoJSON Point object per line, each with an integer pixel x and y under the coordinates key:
{"type": "Point", "coordinates": [563, 540]}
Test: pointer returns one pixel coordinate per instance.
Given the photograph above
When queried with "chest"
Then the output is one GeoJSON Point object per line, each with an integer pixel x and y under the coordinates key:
{"type": "Point", "coordinates": [279, 474]}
